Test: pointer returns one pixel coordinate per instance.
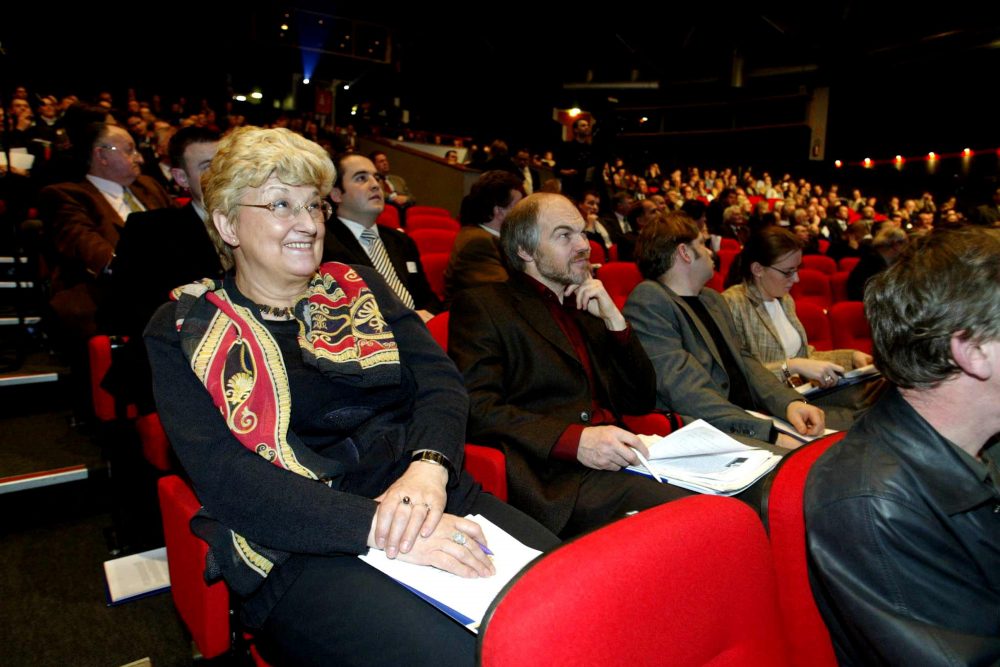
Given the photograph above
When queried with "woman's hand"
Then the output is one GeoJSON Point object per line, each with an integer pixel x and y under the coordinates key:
{"type": "Point", "coordinates": [414, 503]}
{"type": "Point", "coordinates": [859, 359]}
{"type": "Point", "coordinates": [441, 550]}
{"type": "Point", "coordinates": [824, 373]}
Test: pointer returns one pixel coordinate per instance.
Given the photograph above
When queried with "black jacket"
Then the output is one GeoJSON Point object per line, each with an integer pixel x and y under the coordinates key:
{"type": "Point", "coordinates": [904, 545]}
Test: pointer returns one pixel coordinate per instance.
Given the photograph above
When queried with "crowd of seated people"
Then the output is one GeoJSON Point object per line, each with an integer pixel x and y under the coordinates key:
{"type": "Point", "coordinates": [552, 365]}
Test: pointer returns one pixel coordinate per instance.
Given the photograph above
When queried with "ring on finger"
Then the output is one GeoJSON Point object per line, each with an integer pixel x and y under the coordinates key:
{"type": "Point", "coordinates": [405, 500]}
{"type": "Point", "coordinates": [458, 537]}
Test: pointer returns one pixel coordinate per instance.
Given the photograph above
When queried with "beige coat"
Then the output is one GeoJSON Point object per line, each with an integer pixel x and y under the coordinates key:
{"type": "Point", "coordinates": [758, 333]}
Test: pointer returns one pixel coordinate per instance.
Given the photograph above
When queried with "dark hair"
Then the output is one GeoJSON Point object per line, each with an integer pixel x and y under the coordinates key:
{"type": "Point", "coordinates": [374, 154]}
{"type": "Point", "coordinates": [658, 241]}
{"type": "Point", "coordinates": [494, 188]}
{"type": "Point", "coordinates": [765, 247]}
{"type": "Point", "coordinates": [186, 136]}
{"type": "Point", "coordinates": [694, 208]}
{"type": "Point", "coordinates": [338, 163]}
{"type": "Point", "coordinates": [944, 284]}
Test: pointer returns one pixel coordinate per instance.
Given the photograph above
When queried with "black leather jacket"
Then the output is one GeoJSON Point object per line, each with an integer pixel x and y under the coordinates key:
{"type": "Point", "coordinates": [904, 545]}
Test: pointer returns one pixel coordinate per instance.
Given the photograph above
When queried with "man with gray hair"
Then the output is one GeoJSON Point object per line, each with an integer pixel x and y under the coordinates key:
{"type": "Point", "coordinates": [551, 367]}
{"type": "Point", "coordinates": [903, 515]}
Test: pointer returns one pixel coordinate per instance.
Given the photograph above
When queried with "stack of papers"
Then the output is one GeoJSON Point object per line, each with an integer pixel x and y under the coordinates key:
{"type": "Point", "coordinates": [856, 376]}
{"type": "Point", "coordinates": [465, 600]}
{"type": "Point", "coordinates": [788, 429]}
{"type": "Point", "coordinates": [136, 576]}
{"type": "Point", "coordinates": [702, 458]}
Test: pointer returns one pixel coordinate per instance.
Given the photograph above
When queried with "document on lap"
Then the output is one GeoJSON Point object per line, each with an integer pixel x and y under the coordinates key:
{"type": "Point", "coordinates": [788, 429]}
{"type": "Point", "coordinates": [701, 458]}
{"type": "Point", "coordinates": [465, 600]}
{"type": "Point", "coordinates": [852, 377]}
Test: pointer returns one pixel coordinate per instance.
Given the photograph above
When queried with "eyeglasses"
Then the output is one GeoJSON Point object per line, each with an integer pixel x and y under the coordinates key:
{"type": "Point", "coordinates": [283, 210]}
{"type": "Point", "coordinates": [130, 152]}
{"type": "Point", "coordinates": [788, 274]}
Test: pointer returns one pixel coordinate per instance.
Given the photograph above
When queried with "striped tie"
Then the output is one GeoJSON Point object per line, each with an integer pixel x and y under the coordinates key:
{"type": "Point", "coordinates": [133, 204]}
{"type": "Point", "coordinates": [380, 260]}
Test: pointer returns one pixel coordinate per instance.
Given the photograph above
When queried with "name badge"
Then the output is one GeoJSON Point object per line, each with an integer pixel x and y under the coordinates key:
{"type": "Point", "coordinates": [411, 267]}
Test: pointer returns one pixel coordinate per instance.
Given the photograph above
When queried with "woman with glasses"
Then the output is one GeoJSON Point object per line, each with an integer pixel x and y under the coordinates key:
{"type": "Point", "coordinates": [764, 314]}
{"type": "Point", "coordinates": [316, 418]}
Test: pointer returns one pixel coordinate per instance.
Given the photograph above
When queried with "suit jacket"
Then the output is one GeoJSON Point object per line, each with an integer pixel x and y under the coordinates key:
{"type": "Point", "coordinates": [756, 330]}
{"type": "Point", "coordinates": [158, 251]}
{"type": "Point", "coordinates": [341, 246]}
{"type": "Point", "coordinates": [84, 230]}
{"type": "Point", "coordinates": [690, 376]}
{"type": "Point", "coordinates": [527, 385]}
{"type": "Point", "coordinates": [399, 187]}
{"type": "Point", "coordinates": [475, 260]}
{"type": "Point", "coordinates": [624, 240]}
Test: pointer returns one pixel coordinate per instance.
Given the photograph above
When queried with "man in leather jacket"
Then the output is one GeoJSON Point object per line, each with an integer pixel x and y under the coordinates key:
{"type": "Point", "coordinates": [903, 516]}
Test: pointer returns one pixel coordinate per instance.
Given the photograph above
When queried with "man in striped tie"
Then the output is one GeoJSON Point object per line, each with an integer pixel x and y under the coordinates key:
{"type": "Point", "coordinates": [353, 237]}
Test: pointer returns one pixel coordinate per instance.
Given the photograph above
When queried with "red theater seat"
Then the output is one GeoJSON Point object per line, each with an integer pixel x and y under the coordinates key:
{"type": "Point", "coordinates": [619, 278]}
{"type": "Point", "coordinates": [690, 582]}
{"type": "Point", "coordinates": [850, 327]}
{"type": "Point", "coordinates": [816, 322]}
{"type": "Point", "coordinates": [813, 286]}
{"type": "Point", "coordinates": [819, 263]}
{"type": "Point", "coordinates": [808, 639]}
{"type": "Point", "coordinates": [431, 240]}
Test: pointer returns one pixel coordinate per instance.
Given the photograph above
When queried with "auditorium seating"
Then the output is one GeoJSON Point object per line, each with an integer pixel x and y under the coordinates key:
{"type": "Point", "coordinates": [426, 211]}
{"type": "Point", "coordinates": [389, 217]}
{"type": "Point", "coordinates": [816, 322]}
{"type": "Point", "coordinates": [598, 255]}
{"type": "Point", "coordinates": [849, 326]}
{"type": "Point", "coordinates": [847, 263]}
{"type": "Point", "coordinates": [619, 279]}
{"type": "Point", "coordinates": [690, 582]}
{"type": "Point", "coordinates": [434, 264]}
{"type": "Point", "coordinates": [808, 639]}
{"type": "Point", "coordinates": [820, 263]}
{"type": "Point", "coordinates": [431, 240]}
{"type": "Point", "coordinates": [421, 222]}
{"type": "Point", "coordinates": [813, 286]}
{"type": "Point", "coordinates": [838, 286]}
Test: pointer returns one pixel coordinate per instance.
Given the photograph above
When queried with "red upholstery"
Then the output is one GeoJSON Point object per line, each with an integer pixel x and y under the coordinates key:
{"type": "Point", "coordinates": [848, 263]}
{"type": "Point", "coordinates": [415, 222]}
{"type": "Point", "coordinates": [619, 278]}
{"type": "Point", "coordinates": [204, 609]}
{"type": "Point", "coordinates": [99, 348]}
{"type": "Point", "coordinates": [772, 202]}
{"type": "Point", "coordinates": [716, 282]}
{"type": "Point", "coordinates": [824, 245]}
{"type": "Point", "coordinates": [155, 446]}
{"type": "Point", "coordinates": [487, 466]}
{"type": "Point", "coordinates": [690, 582]}
{"type": "Point", "coordinates": [426, 210]}
{"type": "Point", "coordinates": [726, 257]}
{"type": "Point", "coordinates": [729, 244]}
{"type": "Point", "coordinates": [808, 639]}
{"type": "Point", "coordinates": [813, 286]}
{"type": "Point", "coordinates": [438, 326]}
{"type": "Point", "coordinates": [816, 323]}
{"type": "Point", "coordinates": [597, 253]}
{"type": "Point", "coordinates": [850, 327]}
{"type": "Point", "coordinates": [389, 217]}
{"type": "Point", "coordinates": [838, 286]}
{"type": "Point", "coordinates": [819, 263]}
{"type": "Point", "coordinates": [434, 265]}
{"type": "Point", "coordinates": [653, 423]}
{"type": "Point", "coordinates": [431, 240]}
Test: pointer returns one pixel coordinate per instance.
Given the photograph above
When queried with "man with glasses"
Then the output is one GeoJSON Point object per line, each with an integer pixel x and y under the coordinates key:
{"type": "Point", "coordinates": [702, 368]}
{"type": "Point", "coordinates": [158, 251]}
{"type": "Point", "coordinates": [85, 219]}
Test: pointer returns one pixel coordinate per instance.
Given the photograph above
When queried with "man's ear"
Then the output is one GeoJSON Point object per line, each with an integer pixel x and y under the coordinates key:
{"type": "Point", "coordinates": [525, 255]}
{"type": "Point", "coordinates": [180, 177]}
{"type": "Point", "coordinates": [684, 252]}
{"type": "Point", "coordinates": [337, 195]}
{"type": "Point", "coordinates": [226, 228]}
{"type": "Point", "coordinates": [973, 358]}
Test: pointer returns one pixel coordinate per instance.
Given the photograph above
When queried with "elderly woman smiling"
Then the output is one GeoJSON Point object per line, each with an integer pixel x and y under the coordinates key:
{"type": "Point", "coordinates": [316, 418]}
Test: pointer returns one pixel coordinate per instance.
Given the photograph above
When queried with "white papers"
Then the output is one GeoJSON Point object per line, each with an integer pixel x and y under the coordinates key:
{"type": "Point", "coordinates": [134, 576]}
{"type": "Point", "coordinates": [788, 429]}
{"type": "Point", "coordinates": [702, 458]}
{"type": "Point", "coordinates": [19, 157]}
{"type": "Point", "coordinates": [465, 600]}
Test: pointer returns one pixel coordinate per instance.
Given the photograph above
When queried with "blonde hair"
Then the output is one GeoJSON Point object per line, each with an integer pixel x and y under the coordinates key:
{"type": "Point", "coordinates": [247, 158]}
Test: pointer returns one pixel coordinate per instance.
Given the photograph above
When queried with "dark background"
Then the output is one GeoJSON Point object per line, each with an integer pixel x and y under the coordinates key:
{"type": "Point", "coordinates": [903, 79]}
